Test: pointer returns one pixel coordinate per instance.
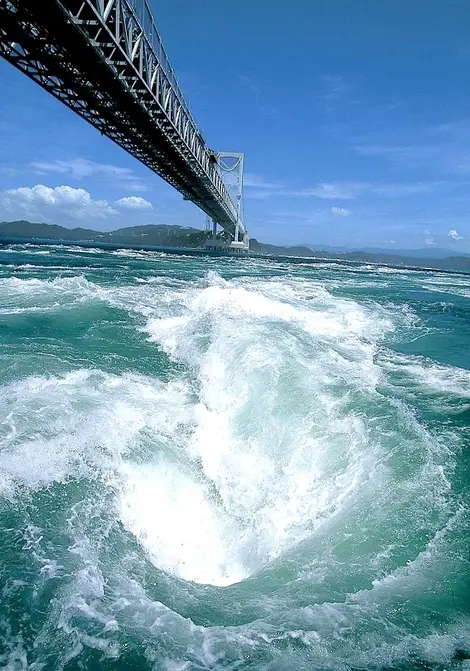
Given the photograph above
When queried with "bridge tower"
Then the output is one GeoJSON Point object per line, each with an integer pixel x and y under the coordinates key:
{"type": "Point", "coordinates": [230, 166]}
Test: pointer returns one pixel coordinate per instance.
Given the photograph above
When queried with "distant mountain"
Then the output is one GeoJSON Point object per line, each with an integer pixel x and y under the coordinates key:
{"type": "Point", "coordinates": [264, 248]}
{"type": "Point", "coordinates": [392, 259]}
{"type": "Point", "coordinates": [181, 236]}
{"type": "Point", "coordinates": [427, 253]}
{"type": "Point", "coordinates": [25, 229]}
{"type": "Point", "coordinates": [162, 235]}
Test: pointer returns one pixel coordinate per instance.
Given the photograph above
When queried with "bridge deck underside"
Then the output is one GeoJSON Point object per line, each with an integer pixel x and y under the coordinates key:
{"type": "Point", "coordinates": [40, 39]}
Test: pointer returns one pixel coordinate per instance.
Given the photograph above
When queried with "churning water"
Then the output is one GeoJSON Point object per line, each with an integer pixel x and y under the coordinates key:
{"type": "Point", "coordinates": [232, 464]}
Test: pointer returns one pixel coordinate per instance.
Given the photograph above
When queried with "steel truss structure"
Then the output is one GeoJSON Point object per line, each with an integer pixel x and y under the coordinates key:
{"type": "Point", "coordinates": [105, 60]}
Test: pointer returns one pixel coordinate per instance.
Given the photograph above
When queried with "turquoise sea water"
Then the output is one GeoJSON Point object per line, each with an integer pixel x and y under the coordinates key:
{"type": "Point", "coordinates": [221, 463]}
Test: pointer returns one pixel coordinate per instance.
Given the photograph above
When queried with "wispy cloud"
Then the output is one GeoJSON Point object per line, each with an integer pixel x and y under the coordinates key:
{"type": "Point", "coordinates": [249, 84]}
{"type": "Point", "coordinates": [351, 190]}
{"type": "Point", "coordinates": [260, 94]}
{"type": "Point", "coordinates": [81, 168]}
{"type": "Point", "coordinates": [407, 154]}
{"type": "Point", "coordinates": [454, 235]}
{"type": "Point", "coordinates": [335, 191]}
{"type": "Point", "coordinates": [8, 170]}
{"type": "Point", "coordinates": [260, 182]}
{"type": "Point", "coordinates": [340, 212]}
{"type": "Point", "coordinates": [332, 90]}
{"type": "Point", "coordinates": [443, 148]}
{"type": "Point", "coordinates": [405, 189]}
{"type": "Point", "coordinates": [260, 187]}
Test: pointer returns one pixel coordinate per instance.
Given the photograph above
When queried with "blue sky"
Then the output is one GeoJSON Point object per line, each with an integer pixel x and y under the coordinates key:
{"type": "Point", "coordinates": [354, 116]}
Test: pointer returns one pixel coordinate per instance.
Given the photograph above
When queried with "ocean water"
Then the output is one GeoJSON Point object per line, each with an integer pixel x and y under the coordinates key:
{"type": "Point", "coordinates": [221, 463]}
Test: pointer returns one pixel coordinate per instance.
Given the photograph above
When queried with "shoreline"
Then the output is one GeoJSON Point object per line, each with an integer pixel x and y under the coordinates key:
{"type": "Point", "coordinates": [198, 251]}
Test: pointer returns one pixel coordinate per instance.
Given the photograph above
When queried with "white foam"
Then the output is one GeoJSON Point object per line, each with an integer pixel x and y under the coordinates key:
{"type": "Point", "coordinates": [251, 452]}
{"type": "Point", "coordinates": [237, 478]}
{"type": "Point", "coordinates": [175, 519]}
{"type": "Point", "coordinates": [76, 425]}
{"type": "Point", "coordinates": [431, 375]}
{"type": "Point", "coordinates": [277, 477]}
{"type": "Point", "coordinates": [275, 432]}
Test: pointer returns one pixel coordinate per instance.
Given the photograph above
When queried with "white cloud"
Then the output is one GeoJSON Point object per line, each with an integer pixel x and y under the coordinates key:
{"type": "Point", "coordinates": [259, 187]}
{"type": "Point", "coordinates": [260, 95]}
{"type": "Point", "coordinates": [340, 211]}
{"type": "Point", "coordinates": [43, 202]}
{"type": "Point", "coordinates": [453, 234]}
{"type": "Point", "coordinates": [350, 190]}
{"type": "Point", "coordinates": [430, 242]}
{"type": "Point", "coordinates": [441, 148]}
{"type": "Point", "coordinates": [134, 203]}
{"type": "Point", "coordinates": [81, 168]}
{"type": "Point", "coordinates": [333, 90]}
{"type": "Point", "coordinates": [341, 190]}
{"type": "Point", "coordinates": [405, 189]}
{"type": "Point", "coordinates": [259, 182]}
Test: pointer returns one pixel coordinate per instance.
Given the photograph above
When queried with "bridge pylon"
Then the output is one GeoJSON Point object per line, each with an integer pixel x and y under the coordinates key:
{"type": "Point", "coordinates": [230, 167]}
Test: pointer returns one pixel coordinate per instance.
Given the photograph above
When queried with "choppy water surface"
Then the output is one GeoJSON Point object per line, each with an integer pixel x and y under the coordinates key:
{"type": "Point", "coordinates": [212, 463]}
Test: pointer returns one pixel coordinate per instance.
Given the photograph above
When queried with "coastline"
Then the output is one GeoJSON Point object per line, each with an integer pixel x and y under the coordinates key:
{"type": "Point", "coordinates": [199, 251]}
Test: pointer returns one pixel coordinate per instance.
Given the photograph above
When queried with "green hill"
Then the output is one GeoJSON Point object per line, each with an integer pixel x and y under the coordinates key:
{"type": "Point", "coordinates": [164, 235]}
{"type": "Point", "coordinates": [161, 235]}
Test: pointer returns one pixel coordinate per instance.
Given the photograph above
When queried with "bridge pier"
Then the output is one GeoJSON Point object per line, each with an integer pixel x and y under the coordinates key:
{"type": "Point", "coordinates": [213, 243]}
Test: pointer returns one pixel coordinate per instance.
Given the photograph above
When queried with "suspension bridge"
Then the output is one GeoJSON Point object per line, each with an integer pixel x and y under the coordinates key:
{"type": "Point", "coordinates": [105, 60]}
